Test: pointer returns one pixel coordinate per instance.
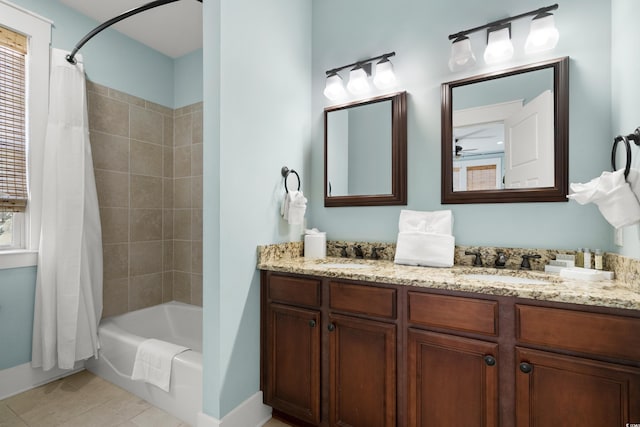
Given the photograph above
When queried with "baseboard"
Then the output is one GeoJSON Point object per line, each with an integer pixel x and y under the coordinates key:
{"type": "Point", "coordinates": [251, 412]}
{"type": "Point", "coordinates": [23, 377]}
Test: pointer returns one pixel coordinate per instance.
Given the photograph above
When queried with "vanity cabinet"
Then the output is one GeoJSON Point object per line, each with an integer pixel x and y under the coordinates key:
{"type": "Point", "coordinates": [338, 352]}
{"type": "Point", "coordinates": [582, 388]}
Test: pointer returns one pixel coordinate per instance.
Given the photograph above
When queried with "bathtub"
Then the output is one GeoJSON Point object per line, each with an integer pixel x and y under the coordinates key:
{"type": "Point", "coordinates": [174, 322]}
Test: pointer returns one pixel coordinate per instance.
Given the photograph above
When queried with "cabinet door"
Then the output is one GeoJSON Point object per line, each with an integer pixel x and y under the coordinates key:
{"type": "Point", "coordinates": [556, 390]}
{"type": "Point", "coordinates": [362, 372]}
{"type": "Point", "coordinates": [452, 381]}
{"type": "Point", "coordinates": [293, 361]}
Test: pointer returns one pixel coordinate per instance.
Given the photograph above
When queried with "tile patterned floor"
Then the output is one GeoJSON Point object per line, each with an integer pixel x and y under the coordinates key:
{"type": "Point", "coordinates": [85, 400]}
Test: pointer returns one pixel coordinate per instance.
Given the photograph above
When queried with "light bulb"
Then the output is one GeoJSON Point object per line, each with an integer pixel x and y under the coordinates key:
{"type": "Point", "coordinates": [499, 46]}
{"type": "Point", "coordinates": [385, 77]}
{"type": "Point", "coordinates": [334, 88]}
{"type": "Point", "coordinates": [358, 81]}
{"type": "Point", "coordinates": [543, 34]}
{"type": "Point", "coordinates": [462, 56]}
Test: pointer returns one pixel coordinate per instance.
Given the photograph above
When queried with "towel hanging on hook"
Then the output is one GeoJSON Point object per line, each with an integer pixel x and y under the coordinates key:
{"type": "Point", "coordinates": [294, 204]}
{"type": "Point", "coordinates": [285, 171]}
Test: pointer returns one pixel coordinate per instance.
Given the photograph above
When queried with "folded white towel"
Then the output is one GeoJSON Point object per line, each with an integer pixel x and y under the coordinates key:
{"type": "Point", "coordinates": [297, 208]}
{"type": "Point", "coordinates": [153, 362]}
{"type": "Point", "coordinates": [613, 195]}
{"type": "Point", "coordinates": [431, 222]}
{"type": "Point", "coordinates": [425, 249]}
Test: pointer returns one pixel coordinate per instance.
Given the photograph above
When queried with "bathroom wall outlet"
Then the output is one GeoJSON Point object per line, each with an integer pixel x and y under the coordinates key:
{"type": "Point", "coordinates": [618, 238]}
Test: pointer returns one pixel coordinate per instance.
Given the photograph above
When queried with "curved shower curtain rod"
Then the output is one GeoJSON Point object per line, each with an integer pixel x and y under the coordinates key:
{"type": "Point", "coordinates": [71, 57]}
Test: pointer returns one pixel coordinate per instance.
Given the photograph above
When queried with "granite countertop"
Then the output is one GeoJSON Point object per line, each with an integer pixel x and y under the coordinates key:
{"type": "Point", "coordinates": [541, 286]}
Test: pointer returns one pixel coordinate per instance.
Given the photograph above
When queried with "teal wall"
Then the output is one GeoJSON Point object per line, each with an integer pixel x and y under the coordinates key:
{"type": "Point", "coordinates": [625, 111]}
{"type": "Point", "coordinates": [17, 293]}
{"type": "Point", "coordinates": [187, 86]}
{"type": "Point", "coordinates": [256, 120]}
{"type": "Point", "coordinates": [417, 31]}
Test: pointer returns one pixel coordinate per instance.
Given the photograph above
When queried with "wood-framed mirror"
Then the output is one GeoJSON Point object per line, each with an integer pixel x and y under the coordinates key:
{"type": "Point", "coordinates": [365, 152]}
{"type": "Point", "coordinates": [505, 135]}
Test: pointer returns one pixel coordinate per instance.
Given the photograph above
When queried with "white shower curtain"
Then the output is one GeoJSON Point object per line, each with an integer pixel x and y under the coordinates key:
{"type": "Point", "coordinates": [68, 301]}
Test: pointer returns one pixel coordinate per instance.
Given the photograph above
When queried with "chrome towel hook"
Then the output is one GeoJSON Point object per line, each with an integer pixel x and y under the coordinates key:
{"type": "Point", "coordinates": [285, 171]}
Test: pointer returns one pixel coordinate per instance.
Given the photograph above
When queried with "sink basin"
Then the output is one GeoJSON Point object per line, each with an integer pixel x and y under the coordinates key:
{"type": "Point", "coordinates": [344, 265]}
{"type": "Point", "coordinates": [505, 279]}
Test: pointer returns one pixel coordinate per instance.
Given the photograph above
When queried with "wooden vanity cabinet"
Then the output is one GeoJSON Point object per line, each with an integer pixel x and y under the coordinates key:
{"type": "Point", "coordinates": [452, 380]}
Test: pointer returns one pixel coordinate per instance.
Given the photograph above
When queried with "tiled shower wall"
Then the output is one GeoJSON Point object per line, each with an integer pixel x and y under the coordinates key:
{"type": "Point", "coordinates": [150, 199]}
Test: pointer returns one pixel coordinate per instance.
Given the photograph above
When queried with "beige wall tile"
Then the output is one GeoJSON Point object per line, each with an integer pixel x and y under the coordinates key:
{"type": "Point", "coordinates": [196, 257]}
{"type": "Point", "coordinates": [196, 224]}
{"type": "Point", "coordinates": [196, 136]}
{"type": "Point", "coordinates": [112, 188]}
{"type": "Point", "coordinates": [196, 191]}
{"type": "Point", "coordinates": [167, 170]}
{"type": "Point", "coordinates": [167, 255]}
{"type": "Point", "coordinates": [146, 192]}
{"type": "Point", "coordinates": [167, 286]}
{"type": "Point", "coordinates": [182, 224]}
{"type": "Point", "coordinates": [182, 161]}
{"type": "Point", "coordinates": [145, 258]}
{"type": "Point", "coordinates": [108, 115]}
{"type": "Point", "coordinates": [146, 224]}
{"type": "Point", "coordinates": [182, 255]}
{"type": "Point", "coordinates": [146, 159]}
{"type": "Point", "coordinates": [196, 289]}
{"type": "Point", "coordinates": [196, 159]}
{"type": "Point", "coordinates": [115, 297]}
{"type": "Point", "coordinates": [97, 88]}
{"type": "Point", "coordinates": [165, 111]}
{"type": "Point", "coordinates": [182, 193]}
{"type": "Point", "coordinates": [182, 130]}
{"type": "Point", "coordinates": [116, 261]}
{"type": "Point", "coordinates": [145, 291]}
{"type": "Point", "coordinates": [147, 125]}
{"type": "Point", "coordinates": [168, 132]}
{"type": "Point", "coordinates": [125, 97]}
{"type": "Point", "coordinates": [182, 286]}
{"type": "Point", "coordinates": [115, 225]}
{"type": "Point", "coordinates": [109, 152]}
{"type": "Point", "coordinates": [167, 224]}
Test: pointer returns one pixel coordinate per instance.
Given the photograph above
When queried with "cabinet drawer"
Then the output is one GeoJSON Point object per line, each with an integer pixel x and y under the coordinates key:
{"type": "Point", "coordinates": [457, 313]}
{"type": "Point", "coordinates": [594, 333]}
{"type": "Point", "coordinates": [369, 300]}
{"type": "Point", "coordinates": [294, 290]}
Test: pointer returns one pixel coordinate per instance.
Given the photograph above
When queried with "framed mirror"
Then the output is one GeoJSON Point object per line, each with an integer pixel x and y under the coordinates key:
{"type": "Point", "coordinates": [365, 152]}
{"type": "Point", "coordinates": [505, 135]}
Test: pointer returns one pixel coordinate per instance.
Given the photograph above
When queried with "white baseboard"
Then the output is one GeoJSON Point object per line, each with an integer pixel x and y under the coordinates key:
{"type": "Point", "coordinates": [251, 412]}
{"type": "Point", "coordinates": [23, 377]}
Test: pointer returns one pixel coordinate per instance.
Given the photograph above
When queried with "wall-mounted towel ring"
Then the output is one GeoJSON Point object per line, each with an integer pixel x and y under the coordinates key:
{"type": "Point", "coordinates": [613, 153]}
{"type": "Point", "coordinates": [285, 171]}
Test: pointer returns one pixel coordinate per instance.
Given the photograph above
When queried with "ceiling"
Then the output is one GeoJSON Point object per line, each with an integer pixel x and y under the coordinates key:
{"type": "Point", "coordinates": [174, 29]}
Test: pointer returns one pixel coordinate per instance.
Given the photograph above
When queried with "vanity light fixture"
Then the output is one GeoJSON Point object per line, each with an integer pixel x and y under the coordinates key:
{"type": "Point", "coordinates": [499, 46]}
{"type": "Point", "coordinates": [359, 77]}
{"type": "Point", "coordinates": [543, 35]}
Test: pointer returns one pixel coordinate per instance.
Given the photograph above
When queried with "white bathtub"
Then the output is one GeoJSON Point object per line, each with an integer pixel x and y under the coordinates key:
{"type": "Point", "coordinates": [173, 322]}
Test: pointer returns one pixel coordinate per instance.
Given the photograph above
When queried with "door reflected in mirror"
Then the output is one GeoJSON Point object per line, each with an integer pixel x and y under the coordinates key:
{"type": "Point", "coordinates": [366, 152]}
{"type": "Point", "coordinates": [504, 136]}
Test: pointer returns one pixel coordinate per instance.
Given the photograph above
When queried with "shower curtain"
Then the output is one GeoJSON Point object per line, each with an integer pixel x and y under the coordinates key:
{"type": "Point", "coordinates": [68, 301]}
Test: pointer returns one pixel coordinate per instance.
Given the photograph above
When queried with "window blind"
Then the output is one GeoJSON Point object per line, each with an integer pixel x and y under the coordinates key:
{"type": "Point", "coordinates": [481, 177]}
{"type": "Point", "coordinates": [13, 153]}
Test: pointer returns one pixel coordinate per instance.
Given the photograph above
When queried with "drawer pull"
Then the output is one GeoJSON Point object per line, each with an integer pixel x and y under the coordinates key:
{"type": "Point", "coordinates": [489, 360]}
{"type": "Point", "coordinates": [525, 367]}
{"type": "Point", "coordinates": [331, 327]}
{"type": "Point", "coordinates": [312, 323]}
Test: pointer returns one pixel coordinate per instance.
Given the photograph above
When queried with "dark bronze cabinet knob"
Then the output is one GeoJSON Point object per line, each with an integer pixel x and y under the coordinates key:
{"type": "Point", "coordinates": [331, 327]}
{"type": "Point", "coordinates": [489, 360]}
{"type": "Point", "coordinates": [312, 323]}
{"type": "Point", "coordinates": [525, 367]}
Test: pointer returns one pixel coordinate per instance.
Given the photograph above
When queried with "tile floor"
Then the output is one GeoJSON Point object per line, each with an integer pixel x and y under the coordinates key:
{"type": "Point", "coordinates": [85, 400]}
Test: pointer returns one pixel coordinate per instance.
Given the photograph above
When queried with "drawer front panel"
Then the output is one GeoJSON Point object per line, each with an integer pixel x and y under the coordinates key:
{"type": "Point", "coordinates": [369, 300]}
{"type": "Point", "coordinates": [294, 290]}
{"type": "Point", "coordinates": [457, 313]}
{"type": "Point", "coordinates": [594, 333]}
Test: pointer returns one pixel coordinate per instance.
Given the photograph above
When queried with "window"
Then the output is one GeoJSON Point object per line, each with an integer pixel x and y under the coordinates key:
{"type": "Point", "coordinates": [13, 137]}
{"type": "Point", "coordinates": [24, 87]}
